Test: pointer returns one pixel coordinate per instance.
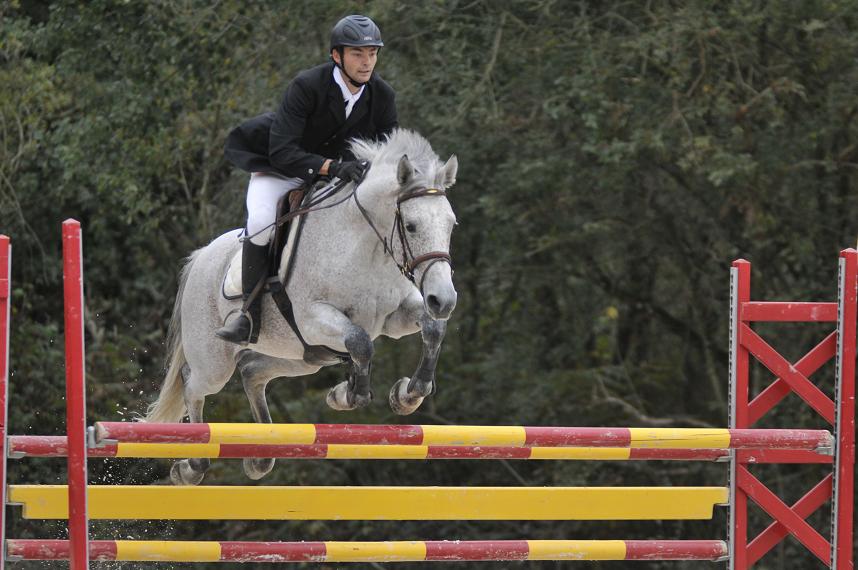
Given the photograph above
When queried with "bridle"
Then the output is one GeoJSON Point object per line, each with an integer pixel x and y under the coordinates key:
{"type": "Point", "coordinates": [409, 262]}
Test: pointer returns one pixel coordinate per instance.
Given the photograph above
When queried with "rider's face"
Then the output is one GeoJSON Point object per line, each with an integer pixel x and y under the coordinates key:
{"type": "Point", "coordinates": [359, 62]}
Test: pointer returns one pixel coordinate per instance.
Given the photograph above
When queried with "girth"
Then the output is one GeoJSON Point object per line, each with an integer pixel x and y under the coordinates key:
{"type": "Point", "coordinates": [284, 304]}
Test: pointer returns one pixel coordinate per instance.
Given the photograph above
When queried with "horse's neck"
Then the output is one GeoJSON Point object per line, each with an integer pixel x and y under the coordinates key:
{"type": "Point", "coordinates": [342, 233]}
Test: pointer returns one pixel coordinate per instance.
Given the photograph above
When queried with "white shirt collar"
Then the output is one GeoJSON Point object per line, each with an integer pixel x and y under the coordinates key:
{"type": "Point", "coordinates": [349, 99]}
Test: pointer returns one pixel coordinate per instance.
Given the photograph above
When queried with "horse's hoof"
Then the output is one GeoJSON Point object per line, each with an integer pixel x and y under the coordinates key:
{"type": "Point", "coordinates": [400, 402]}
{"type": "Point", "coordinates": [362, 401]}
{"type": "Point", "coordinates": [256, 469]}
{"type": "Point", "coordinates": [181, 473]}
{"type": "Point", "coordinates": [339, 398]}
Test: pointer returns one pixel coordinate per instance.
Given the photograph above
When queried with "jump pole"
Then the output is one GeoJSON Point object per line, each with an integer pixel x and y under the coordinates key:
{"type": "Point", "coordinates": [5, 314]}
{"type": "Point", "coordinates": [75, 395]}
{"type": "Point", "coordinates": [259, 502]}
{"type": "Point", "coordinates": [57, 446]}
{"type": "Point", "coordinates": [452, 435]}
{"type": "Point", "coordinates": [392, 551]}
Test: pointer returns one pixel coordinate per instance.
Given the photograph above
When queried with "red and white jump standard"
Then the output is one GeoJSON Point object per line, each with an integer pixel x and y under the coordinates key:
{"type": "Point", "coordinates": [741, 443]}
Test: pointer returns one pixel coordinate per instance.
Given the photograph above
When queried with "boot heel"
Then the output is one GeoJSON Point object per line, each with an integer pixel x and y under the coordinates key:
{"type": "Point", "coordinates": [237, 330]}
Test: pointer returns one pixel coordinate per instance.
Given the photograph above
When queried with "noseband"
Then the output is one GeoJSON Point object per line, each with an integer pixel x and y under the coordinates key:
{"type": "Point", "coordinates": [409, 262]}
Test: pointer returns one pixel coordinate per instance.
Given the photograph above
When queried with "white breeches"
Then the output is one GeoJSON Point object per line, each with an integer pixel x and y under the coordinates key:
{"type": "Point", "coordinates": [263, 192]}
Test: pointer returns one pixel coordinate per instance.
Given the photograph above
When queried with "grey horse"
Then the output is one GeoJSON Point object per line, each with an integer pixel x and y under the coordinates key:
{"type": "Point", "coordinates": [347, 286]}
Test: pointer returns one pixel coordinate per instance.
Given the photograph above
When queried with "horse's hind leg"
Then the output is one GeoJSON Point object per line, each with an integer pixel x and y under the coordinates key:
{"type": "Point", "coordinates": [257, 370]}
{"type": "Point", "coordinates": [255, 380]}
{"type": "Point", "coordinates": [191, 471]}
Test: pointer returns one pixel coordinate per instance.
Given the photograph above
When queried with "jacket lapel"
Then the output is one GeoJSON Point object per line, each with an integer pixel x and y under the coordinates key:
{"type": "Point", "coordinates": [360, 109]}
{"type": "Point", "coordinates": [336, 103]}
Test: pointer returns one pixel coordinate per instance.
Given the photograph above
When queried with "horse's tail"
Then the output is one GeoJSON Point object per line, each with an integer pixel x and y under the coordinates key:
{"type": "Point", "coordinates": [170, 405]}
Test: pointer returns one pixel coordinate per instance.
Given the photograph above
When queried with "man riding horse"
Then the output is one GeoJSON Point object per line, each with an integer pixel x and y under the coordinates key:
{"type": "Point", "coordinates": [323, 108]}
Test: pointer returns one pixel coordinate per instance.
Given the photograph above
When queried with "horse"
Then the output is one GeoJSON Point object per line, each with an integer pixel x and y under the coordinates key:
{"type": "Point", "coordinates": [350, 281]}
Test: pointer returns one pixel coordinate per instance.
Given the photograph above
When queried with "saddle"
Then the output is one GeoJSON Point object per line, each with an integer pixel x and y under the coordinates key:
{"type": "Point", "coordinates": [285, 236]}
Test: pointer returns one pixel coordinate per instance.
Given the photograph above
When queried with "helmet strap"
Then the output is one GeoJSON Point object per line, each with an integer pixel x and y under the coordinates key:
{"type": "Point", "coordinates": [345, 73]}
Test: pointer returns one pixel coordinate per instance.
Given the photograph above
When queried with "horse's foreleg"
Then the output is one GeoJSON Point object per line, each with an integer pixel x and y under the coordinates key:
{"type": "Point", "coordinates": [356, 390]}
{"type": "Point", "coordinates": [406, 395]}
{"type": "Point", "coordinates": [328, 326]}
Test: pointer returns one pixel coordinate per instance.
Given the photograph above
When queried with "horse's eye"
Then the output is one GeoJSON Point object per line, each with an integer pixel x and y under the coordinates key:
{"type": "Point", "coordinates": [411, 227]}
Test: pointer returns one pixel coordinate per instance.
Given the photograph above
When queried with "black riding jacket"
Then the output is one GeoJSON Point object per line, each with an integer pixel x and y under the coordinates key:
{"type": "Point", "coordinates": [310, 126]}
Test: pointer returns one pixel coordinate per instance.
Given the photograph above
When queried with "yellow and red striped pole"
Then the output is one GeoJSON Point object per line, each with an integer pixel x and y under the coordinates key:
{"type": "Point", "coordinates": [403, 551]}
{"type": "Point", "coordinates": [57, 446]}
{"type": "Point", "coordinates": [450, 435]}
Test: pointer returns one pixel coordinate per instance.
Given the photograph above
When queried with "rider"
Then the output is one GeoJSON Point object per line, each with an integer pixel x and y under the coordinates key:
{"type": "Point", "coordinates": [304, 139]}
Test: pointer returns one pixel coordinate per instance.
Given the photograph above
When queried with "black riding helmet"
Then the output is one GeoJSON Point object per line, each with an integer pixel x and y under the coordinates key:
{"type": "Point", "coordinates": [354, 31]}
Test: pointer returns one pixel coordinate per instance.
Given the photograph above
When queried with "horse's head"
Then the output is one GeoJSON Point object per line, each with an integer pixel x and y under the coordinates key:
{"type": "Point", "coordinates": [407, 174]}
{"type": "Point", "coordinates": [425, 223]}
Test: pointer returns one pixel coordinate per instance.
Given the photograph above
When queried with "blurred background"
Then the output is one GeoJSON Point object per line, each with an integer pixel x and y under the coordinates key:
{"type": "Point", "coordinates": [615, 157]}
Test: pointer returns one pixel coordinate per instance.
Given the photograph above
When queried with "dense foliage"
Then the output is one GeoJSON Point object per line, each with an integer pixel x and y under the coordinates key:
{"type": "Point", "coordinates": [615, 156]}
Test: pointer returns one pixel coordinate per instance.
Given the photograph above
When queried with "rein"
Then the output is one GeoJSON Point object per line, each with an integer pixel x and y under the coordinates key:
{"type": "Point", "coordinates": [312, 205]}
{"type": "Point", "coordinates": [409, 262]}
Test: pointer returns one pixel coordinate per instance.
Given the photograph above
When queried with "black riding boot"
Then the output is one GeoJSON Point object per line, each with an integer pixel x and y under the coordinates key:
{"type": "Point", "coordinates": [245, 327]}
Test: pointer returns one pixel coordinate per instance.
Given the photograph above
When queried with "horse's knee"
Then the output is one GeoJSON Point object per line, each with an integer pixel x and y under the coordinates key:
{"type": "Point", "coordinates": [249, 376]}
{"type": "Point", "coordinates": [433, 331]}
{"type": "Point", "coordinates": [254, 375]}
{"type": "Point", "coordinates": [360, 346]}
{"type": "Point", "coordinates": [248, 364]}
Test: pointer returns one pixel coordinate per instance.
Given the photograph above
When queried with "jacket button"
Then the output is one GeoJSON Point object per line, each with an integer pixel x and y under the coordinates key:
{"type": "Point", "coordinates": [310, 170]}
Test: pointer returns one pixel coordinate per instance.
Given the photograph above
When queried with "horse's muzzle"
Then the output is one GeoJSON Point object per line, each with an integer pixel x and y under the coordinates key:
{"type": "Point", "coordinates": [440, 306]}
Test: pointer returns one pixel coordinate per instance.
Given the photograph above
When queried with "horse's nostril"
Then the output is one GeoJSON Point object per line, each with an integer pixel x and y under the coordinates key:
{"type": "Point", "coordinates": [433, 302]}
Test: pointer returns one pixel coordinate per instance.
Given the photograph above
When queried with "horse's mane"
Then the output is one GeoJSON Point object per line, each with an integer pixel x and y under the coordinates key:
{"type": "Point", "coordinates": [394, 145]}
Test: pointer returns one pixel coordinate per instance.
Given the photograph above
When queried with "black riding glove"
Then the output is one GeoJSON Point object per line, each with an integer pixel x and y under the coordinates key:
{"type": "Point", "coordinates": [353, 170]}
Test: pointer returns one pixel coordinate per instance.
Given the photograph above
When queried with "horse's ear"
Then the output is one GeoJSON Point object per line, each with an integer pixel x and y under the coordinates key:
{"type": "Point", "coordinates": [451, 167]}
{"type": "Point", "coordinates": [404, 171]}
